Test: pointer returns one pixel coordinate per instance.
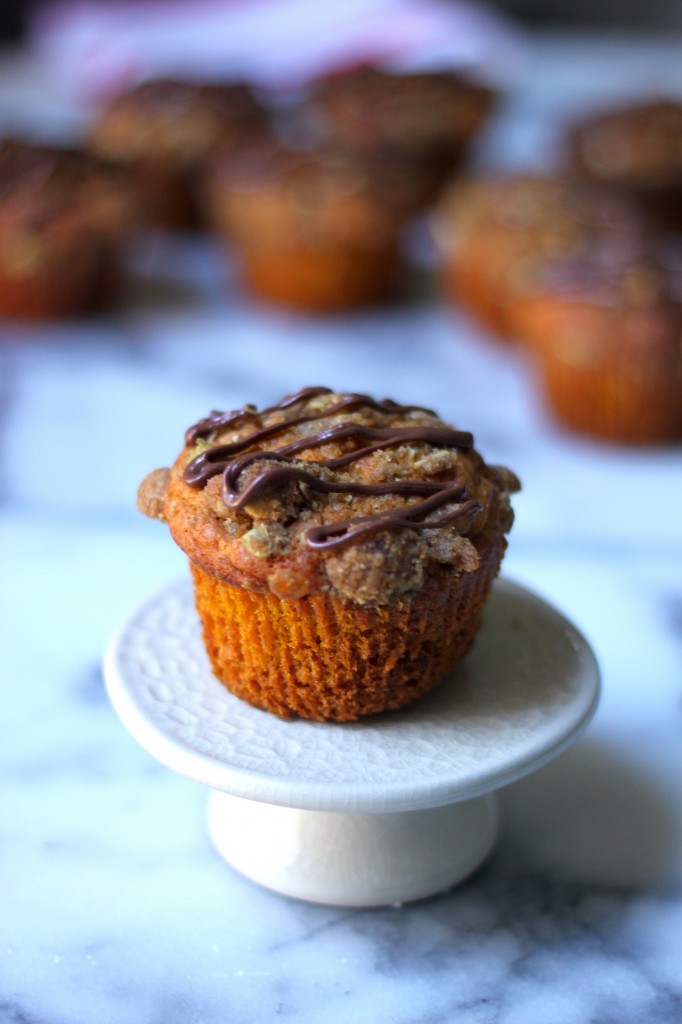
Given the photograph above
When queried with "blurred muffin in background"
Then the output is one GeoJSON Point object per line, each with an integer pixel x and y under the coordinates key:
{"type": "Point", "coordinates": [637, 147]}
{"type": "Point", "coordinates": [63, 217]}
{"type": "Point", "coordinates": [165, 130]}
{"type": "Point", "coordinates": [604, 334]}
{"type": "Point", "coordinates": [315, 231]}
{"type": "Point", "coordinates": [496, 235]}
{"type": "Point", "coordinates": [426, 119]}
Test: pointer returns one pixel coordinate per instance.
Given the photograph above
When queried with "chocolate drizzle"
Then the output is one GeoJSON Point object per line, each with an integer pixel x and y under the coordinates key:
{"type": "Point", "coordinates": [232, 459]}
{"type": "Point", "coordinates": [222, 420]}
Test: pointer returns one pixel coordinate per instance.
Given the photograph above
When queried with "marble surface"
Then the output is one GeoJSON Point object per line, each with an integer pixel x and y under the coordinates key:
{"type": "Point", "coordinates": [114, 904]}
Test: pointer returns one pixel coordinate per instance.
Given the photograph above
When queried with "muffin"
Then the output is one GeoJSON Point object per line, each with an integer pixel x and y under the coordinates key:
{"type": "Point", "coordinates": [342, 548]}
{"type": "Point", "coordinates": [314, 231]}
{"type": "Point", "coordinates": [604, 334]}
{"type": "Point", "coordinates": [426, 119]}
{"type": "Point", "coordinates": [496, 235]}
{"type": "Point", "coordinates": [637, 147]}
{"type": "Point", "coordinates": [165, 130]}
{"type": "Point", "coordinates": [63, 217]}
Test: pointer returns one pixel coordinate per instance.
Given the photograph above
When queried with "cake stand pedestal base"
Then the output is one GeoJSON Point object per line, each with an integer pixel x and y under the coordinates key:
{"type": "Point", "coordinates": [393, 808]}
{"type": "Point", "coordinates": [351, 859]}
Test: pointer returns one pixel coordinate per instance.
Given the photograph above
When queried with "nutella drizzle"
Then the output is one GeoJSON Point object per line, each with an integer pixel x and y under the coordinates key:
{"type": "Point", "coordinates": [232, 459]}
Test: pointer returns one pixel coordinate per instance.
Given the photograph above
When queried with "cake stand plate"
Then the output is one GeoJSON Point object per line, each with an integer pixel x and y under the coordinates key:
{"type": "Point", "coordinates": [393, 808]}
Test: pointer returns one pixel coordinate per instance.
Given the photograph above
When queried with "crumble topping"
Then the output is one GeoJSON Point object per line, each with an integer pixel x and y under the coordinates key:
{"type": "Point", "coordinates": [326, 491]}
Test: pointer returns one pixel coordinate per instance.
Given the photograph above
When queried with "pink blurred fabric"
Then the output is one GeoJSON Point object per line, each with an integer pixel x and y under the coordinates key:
{"type": "Point", "coordinates": [96, 47]}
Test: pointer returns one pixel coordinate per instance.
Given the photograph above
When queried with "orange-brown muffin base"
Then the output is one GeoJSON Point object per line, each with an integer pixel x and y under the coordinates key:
{"type": "Point", "coordinates": [611, 406]}
{"type": "Point", "coordinates": [85, 282]}
{"type": "Point", "coordinates": [169, 200]}
{"type": "Point", "coordinates": [319, 279]}
{"type": "Point", "coordinates": [470, 287]}
{"type": "Point", "coordinates": [318, 658]}
{"type": "Point", "coordinates": [594, 380]}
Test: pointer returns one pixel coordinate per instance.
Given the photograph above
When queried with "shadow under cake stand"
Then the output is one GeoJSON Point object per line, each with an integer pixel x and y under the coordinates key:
{"type": "Point", "coordinates": [393, 808]}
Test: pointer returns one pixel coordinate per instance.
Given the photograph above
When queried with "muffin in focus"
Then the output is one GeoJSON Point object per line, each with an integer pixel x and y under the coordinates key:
{"type": "Point", "coordinates": [496, 236]}
{"type": "Point", "coordinates": [314, 231]}
{"type": "Point", "coordinates": [427, 119]}
{"type": "Point", "coordinates": [636, 147]}
{"type": "Point", "coordinates": [604, 334]}
{"type": "Point", "coordinates": [342, 549]}
{"type": "Point", "coordinates": [165, 130]}
{"type": "Point", "coordinates": [63, 218]}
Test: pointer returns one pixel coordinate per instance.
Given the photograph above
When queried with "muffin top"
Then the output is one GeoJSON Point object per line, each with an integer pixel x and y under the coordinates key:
{"type": "Point", "coordinates": [637, 145]}
{"type": "Point", "coordinates": [327, 192]}
{"type": "Point", "coordinates": [370, 106]}
{"type": "Point", "coordinates": [49, 188]}
{"type": "Point", "coordinates": [523, 224]}
{"type": "Point", "coordinates": [331, 492]}
{"type": "Point", "coordinates": [545, 207]}
{"type": "Point", "coordinates": [165, 119]}
{"type": "Point", "coordinates": [610, 272]}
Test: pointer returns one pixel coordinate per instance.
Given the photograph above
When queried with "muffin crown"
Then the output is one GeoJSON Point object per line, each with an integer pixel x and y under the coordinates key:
{"type": "Point", "coordinates": [329, 491]}
{"type": "Point", "coordinates": [638, 144]}
{"type": "Point", "coordinates": [43, 185]}
{"type": "Point", "coordinates": [270, 190]}
{"type": "Point", "coordinates": [414, 109]}
{"type": "Point", "coordinates": [180, 121]}
{"type": "Point", "coordinates": [233, 459]}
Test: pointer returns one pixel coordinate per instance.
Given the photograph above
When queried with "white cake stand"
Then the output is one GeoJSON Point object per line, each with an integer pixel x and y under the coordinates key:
{"type": "Point", "coordinates": [393, 808]}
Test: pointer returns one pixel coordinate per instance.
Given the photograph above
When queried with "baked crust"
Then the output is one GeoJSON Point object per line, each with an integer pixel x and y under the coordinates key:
{"type": "Point", "coordinates": [63, 215]}
{"type": "Point", "coordinates": [165, 130]}
{"type": "Point", "coordinates": [430, 117]}
{"type": "Point", "coordinates": [264, 545]}
{"type": "Point", "coordinates": [637, 147]}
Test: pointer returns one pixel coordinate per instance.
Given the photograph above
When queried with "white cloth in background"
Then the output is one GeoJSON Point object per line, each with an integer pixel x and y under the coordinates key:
{"type": "Point", "coordinates": [95, 47]}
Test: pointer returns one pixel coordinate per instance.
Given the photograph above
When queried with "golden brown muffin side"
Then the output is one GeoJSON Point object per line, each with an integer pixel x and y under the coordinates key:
{"type": "Point", "coordinates": [320, 658]}
{"type": "Point", "coordinates": [605, 338]}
